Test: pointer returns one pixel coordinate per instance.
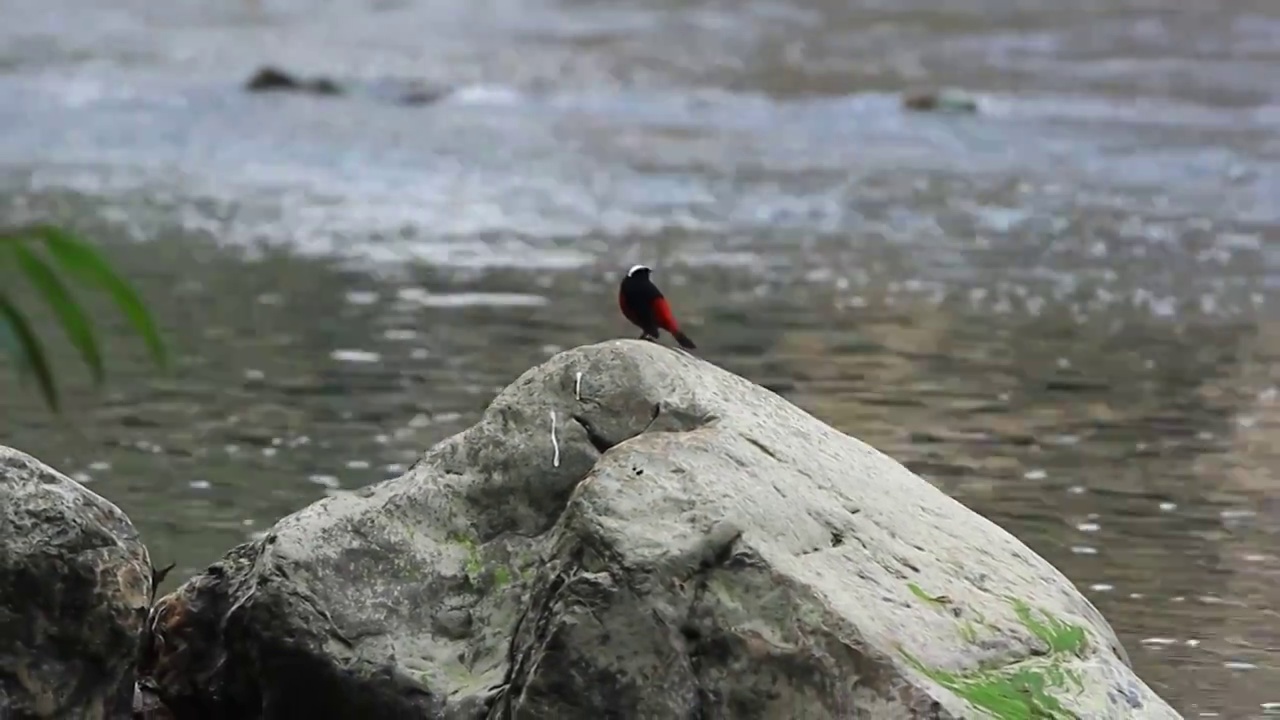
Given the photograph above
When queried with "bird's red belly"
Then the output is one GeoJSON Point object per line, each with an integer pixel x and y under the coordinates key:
{"type": "Point", "coordinates": [666, 319]}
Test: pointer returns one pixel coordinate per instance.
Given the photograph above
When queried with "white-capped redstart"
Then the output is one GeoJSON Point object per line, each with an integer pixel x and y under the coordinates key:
{"type": "Point", "coordinates": [643, 304]}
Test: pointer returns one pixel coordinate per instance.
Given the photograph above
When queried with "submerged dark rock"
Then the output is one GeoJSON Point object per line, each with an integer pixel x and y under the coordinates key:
{"type": "Point", "coordinates": [75, 585]}
{"type": "Point", "coordinates": [950, 101]}
{"type": "Point", "coordinates": [631, 532]}
{"type": "Point", "coordinates": [271, 79]}
{"type": "Point", "coordinates": [388, 90]}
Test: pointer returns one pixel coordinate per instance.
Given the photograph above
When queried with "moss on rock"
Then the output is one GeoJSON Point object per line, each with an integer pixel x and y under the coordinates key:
{"type": "Point", "coordinates": [1030, 689]}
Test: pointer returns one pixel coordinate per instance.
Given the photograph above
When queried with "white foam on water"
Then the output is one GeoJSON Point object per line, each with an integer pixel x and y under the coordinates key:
{"type": "Point", "coordinates": [425, 298]}
{"type": "Point", "coordinates": [355, 356]}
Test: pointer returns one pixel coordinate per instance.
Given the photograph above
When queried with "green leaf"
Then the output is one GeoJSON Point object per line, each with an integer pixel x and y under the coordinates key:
{"type": "Point", "coordinates": [75, 323]}
{"type": "Point", "coordinates": [81, 260]}
{"type": "Point", "coordinates": [8, 338]}
{"type": "Point", "coordinates": [28, 352]}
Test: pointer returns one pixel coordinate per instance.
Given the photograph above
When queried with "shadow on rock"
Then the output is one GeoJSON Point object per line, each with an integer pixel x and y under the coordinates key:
{"type": "Point", "coordinates": [147, 704]}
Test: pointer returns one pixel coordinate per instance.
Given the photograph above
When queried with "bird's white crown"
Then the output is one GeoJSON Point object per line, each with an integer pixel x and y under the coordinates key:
{"type": "Point", "coordinates": [637, 268]}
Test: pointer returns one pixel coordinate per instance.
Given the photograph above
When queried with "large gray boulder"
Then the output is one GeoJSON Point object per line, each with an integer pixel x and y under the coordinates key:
{"type": "Point", "coordinates": [75, 585]}
{"type": "Point", "coordinates": [631, 532]}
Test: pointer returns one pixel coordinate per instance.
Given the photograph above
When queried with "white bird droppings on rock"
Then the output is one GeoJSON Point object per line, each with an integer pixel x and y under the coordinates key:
{"type": "Point", "coordinates": [555, 444]}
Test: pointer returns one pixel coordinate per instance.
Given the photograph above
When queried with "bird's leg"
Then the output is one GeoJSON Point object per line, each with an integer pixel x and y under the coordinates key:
{"type": "Point", "coordinates": [646, 336]}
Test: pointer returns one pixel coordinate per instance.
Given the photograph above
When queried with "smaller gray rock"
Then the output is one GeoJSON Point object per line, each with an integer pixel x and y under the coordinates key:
{"type": "Point", "coordinates": [453, 624]}
{"type": "Point", "coordinates": [75, 587]}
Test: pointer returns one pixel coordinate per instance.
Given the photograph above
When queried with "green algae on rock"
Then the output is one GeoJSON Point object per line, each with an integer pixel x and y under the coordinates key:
{"type": "Point", "coordinates": [1039, 687]}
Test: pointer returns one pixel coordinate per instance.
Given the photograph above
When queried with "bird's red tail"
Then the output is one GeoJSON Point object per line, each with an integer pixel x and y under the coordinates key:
{"type": "Point", "coordinates": [667, 321]}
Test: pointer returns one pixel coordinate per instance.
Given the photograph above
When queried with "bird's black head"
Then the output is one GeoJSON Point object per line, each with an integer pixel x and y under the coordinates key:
{"type": "Point", "coordinates": [639, 271]}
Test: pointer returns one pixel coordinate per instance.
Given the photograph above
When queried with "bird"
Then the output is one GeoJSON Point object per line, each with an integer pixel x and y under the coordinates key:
{"type": "Point", "coordinates": [644, 305]}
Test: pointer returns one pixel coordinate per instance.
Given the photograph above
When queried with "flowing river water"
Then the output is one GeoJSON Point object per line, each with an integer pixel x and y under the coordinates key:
{"type": "Point", "coordinates": [1061, 310]}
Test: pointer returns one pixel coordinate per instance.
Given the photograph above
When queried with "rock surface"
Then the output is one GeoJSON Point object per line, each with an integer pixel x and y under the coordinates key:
{"type": "Point", "coordinates": [75, 585]}
{"type": "Point", "coordinates": [631, 532]}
